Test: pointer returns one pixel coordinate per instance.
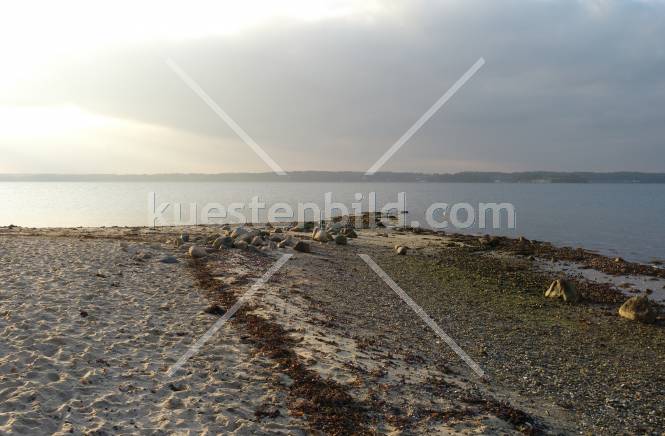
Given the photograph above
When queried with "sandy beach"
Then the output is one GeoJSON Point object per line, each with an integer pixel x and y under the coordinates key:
{"type": "Point", "coordinates": [91, 320]}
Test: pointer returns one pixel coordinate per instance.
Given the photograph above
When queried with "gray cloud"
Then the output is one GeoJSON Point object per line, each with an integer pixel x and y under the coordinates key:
{"type": "Point", "coordinates": [568, 85]}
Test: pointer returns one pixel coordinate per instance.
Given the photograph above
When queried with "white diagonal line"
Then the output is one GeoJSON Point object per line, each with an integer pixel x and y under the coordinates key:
{"type": "Point", "coordinates": [424, 316]}
{"type": "Point", "coordinates": [426, 116]}
{"type": "Point", "coordinates": [228, 315]}
{"type": "Point", "coordinates": [191, 83]}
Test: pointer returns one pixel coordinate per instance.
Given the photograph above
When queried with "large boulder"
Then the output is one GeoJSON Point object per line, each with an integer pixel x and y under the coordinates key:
{"type": "Point", "coordinates": [401, 250]}
{"type": "Point", "coordinates": [257, 241]}
{"type": "Point", "coordinates": [638, 308]}
{"type": "Point", "coordinates": [564, 290]}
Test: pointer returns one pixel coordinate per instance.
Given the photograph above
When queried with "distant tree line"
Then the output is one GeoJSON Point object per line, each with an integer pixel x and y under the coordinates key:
{"type": "Point", "coordinates": [348, 176]}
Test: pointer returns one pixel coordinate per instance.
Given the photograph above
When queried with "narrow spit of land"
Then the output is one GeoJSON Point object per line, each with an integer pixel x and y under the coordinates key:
{"type": "Point", "coordinates": [91, 320]}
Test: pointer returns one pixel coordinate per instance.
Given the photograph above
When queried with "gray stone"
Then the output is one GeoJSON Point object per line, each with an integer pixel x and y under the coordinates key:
{"type": "Point", "coordinates": [168, 259]}
{"type": "Point", "coordinates": [350, 233]}
{"type": "Point", "coordinates": [302, 246]}
{"type": "Point", "coordinates": [242, 245]}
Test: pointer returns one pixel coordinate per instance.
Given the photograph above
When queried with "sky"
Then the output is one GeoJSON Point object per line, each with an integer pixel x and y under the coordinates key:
{"type": "Point", "coordinates": [567, 85]}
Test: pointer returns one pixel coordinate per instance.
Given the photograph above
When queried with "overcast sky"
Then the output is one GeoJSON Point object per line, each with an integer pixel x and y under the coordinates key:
{"type": "Point", "coordinates": [567, 85]}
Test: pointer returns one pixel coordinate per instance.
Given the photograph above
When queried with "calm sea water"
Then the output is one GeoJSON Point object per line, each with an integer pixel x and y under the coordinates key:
{"type": "Point", "coordinates": [624, 220]}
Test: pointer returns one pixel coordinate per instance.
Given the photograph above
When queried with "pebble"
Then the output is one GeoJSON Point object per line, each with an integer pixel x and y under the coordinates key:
{"type": "Point", "coordinates": [169, 259]}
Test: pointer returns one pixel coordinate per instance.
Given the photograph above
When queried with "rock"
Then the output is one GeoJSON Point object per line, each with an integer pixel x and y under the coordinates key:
{"type": "Point", "coordinates": [248, 236]}
{"type": "Point", "coordinates": [168, 259]}
{"type": "Point", "coordinates": [302, 246]}
{"type": "Point", "coordinates": [285, 243]}
{"type": "Point", "coordinates": [564, 290]}
{"type": "Point", "coordinates": [617, 260]}
{"type": "Point", "coordinates": [401, 250]}
{"type": "Point", "coordinates": [257, 241]}
{"type": "Point", "coordinates": [212, 238]}
{"type": "Point", "coordinates": [198, 252]}
{"type": "Point", "coordinates": [142, 255]}
{"type": "Point", "coordinates": [242, 245]}
{"type": "Point", "coordinates": [340, 240]}
{"type": "Point", "coordinates": [278, 230]}
{"type": "Point", "coordinates": [276, 238]}
{"type": "Point", "coordinates": [253, 249]}
{"type": "Point", "coordinates": [321, 236]}
{"type": "Point", "coordinates": [83, 313]}
{"type": "Point", "coordinates": [522, 240]}
{"type": "Point", "coordinates": [238, 232]}
{"type": "Point", "coordinates": [638, 308]}
{"type": "Point", "coordinates": [222, 242]}
{"type": "Point", "coordinates": [214, 309]}
{"type": "Point", "coordinates": [184, 237]}
{"type": "Point", "coordinates": [350, 233]}
{"type": "Point", "coordinates": [335, 227]}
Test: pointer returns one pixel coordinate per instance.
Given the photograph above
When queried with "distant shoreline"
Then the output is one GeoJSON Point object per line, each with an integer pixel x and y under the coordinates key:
{"type": "Point", "coordinates": [536, 177]}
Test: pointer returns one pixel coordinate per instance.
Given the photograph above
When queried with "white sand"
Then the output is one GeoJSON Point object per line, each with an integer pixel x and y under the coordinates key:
{"type": "Point", "coordinates": [61, 372]}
